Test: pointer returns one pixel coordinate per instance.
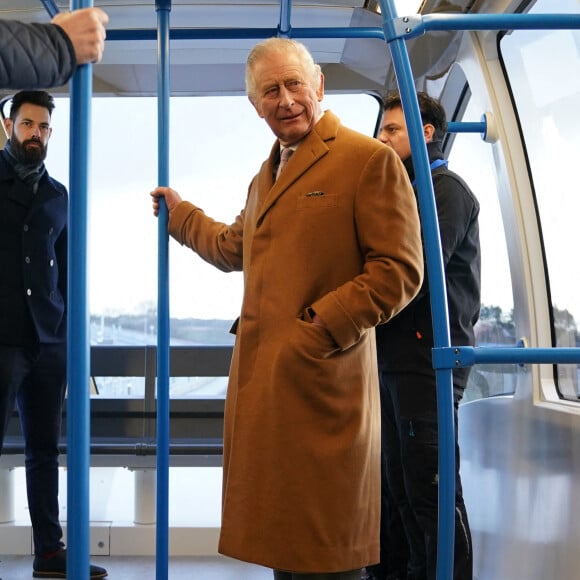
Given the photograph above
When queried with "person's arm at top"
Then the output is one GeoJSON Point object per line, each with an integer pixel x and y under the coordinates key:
{"type": "Point", "coordinates": [38, 56]}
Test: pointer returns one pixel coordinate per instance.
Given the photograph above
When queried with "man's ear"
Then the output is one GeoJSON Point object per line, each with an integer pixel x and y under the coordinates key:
{"type": "Point", "coordinates": [320, 91]}
{"type": "Point", "coordinates": [8, 127]}
{"type": "Point", "coordinates": [428, 132]}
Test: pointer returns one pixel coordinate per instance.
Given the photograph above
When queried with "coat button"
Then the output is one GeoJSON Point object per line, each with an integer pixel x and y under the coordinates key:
{"type": "Point", "coordinates": [51, 230]}
{"type": "Point", "coordinates": [29, 292]}
{"type": "Point", "coordinates": [51, 263]}
{"type": "Point", "coordinates": [25, 227]}
{"type": "Point", "coordinates": [27, 259]}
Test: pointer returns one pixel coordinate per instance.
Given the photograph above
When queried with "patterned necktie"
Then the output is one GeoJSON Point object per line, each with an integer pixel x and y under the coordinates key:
{"type": "Point", "coordinates": [284, 157]}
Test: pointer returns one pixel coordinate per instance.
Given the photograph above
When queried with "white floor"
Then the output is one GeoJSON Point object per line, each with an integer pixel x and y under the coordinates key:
{"type": "Point", "coordinates": [144, 568]}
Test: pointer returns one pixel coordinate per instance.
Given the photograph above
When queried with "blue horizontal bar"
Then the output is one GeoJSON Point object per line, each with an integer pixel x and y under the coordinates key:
{"type": "Point", "coordinates": [467, 127]}
{"type": "Point", "coordinates": [249, 33]}
{"type": "Point", "coordinates": [501, 21]}
{"type": "Point", "coordinates": [466, 356]}
{"type": "Point", "coordinates": [412, 26]}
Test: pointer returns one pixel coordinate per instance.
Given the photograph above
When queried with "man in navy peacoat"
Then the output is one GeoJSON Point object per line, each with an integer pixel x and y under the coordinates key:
{"type": "Point", "coordinates": [33, 289]}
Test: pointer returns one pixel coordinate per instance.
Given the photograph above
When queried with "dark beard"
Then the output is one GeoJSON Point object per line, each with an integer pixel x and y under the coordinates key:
{"type": "Point", "coordinates": [26, 153]}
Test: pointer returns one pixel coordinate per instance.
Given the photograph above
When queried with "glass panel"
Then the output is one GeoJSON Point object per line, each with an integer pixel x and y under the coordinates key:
{"type": "Point", "coordinates": [472, 159]}
{"type": "Point", "coordinates": [544, 72]}
{"type": "Point", "coordinates": [123, 237]}
{"type": "Point", "coordinates": [119, 387]}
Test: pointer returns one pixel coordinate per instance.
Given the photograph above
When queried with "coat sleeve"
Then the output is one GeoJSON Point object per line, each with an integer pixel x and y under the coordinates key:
{"type": "Point", "coordinates": [217, 243]}
{"type": "Point", "coordinates": [34, 56]}
{"type": "Point", "coordinates": [389, 237]}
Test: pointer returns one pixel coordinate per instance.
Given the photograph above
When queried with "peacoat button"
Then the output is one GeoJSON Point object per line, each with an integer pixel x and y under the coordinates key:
{"type": "Point", "coordinates": [29, 292]}
{"type": "Point", "coordinates": [25, 227]}
{"type": "Point", "coordinates": [27, 259]}
{"type": "Point", "coordinates": [51, 263]}
{"type": "Point", "coordinates": [50, 230]}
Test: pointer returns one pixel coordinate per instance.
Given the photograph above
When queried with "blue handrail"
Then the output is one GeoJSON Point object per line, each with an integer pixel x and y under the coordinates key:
{"type": "Point", "coordinates": [285, 18]}
{"type": "Point", "coordinates": [435, 270]}
{"type": "Point", "coordinates": [412, 26]}
{"type": "Point", "coordinates": [467, 127]}
{"type": "Point", "coordinates": [163, 8]}
{"type": "Point", "coordinates": [407, 27]}
{"type": "Point", "coordinates": [51, 7]}
{"type": "Point", "coordinates": [466, 356]}
{"type": "Point", "coordinates": [78, 343]}
{"type": "Point", "coordinates": [248, 33]}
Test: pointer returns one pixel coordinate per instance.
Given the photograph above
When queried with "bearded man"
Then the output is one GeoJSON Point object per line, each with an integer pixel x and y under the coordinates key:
{"type": "Point", "coordinates": [33, 291]}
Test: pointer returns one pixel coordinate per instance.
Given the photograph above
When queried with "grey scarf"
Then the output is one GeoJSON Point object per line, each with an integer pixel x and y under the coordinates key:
{"type": "Point", "coordinates": [28, 173]}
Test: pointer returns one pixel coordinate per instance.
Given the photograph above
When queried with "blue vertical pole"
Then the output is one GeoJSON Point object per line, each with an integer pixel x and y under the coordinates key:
{"type": "Point", "coordinates": [78, 346]}
{"type": "Point", "coordinates": [435, 272]}
{"type": "Point", "coordinates": [163, 8]}
{"type": "Point", "coordinates": [285, 16]}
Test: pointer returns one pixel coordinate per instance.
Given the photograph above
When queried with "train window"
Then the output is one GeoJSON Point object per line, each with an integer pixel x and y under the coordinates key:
{"type": "Point", "coordinates": [544, 72]}
{"type": "Point", "coordinates": [472, 158]}
{"type": "Point", "coordinates": [123, 234]}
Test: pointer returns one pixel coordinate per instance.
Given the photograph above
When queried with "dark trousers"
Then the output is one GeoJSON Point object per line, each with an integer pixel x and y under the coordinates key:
{"type": "Point", "coordinates": [394, 544]}
{"type": "Point", "coordinates": [35, 379]}
{"type": "Point", "coordinates": [409, 439]}
{"type": "Point", "coordinates": [350, 575]}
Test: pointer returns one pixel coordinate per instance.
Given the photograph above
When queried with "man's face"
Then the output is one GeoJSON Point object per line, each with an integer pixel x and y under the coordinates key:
{"type": "Point", "coordinates": [285, 97]}
{"type": "Point", "coordinates": [394, 132]}
{"type": "Point", "coordinates": [29, 133]}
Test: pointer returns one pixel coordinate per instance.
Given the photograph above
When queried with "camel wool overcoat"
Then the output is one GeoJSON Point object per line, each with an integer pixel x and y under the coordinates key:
{"type": "Point", "coordinates": [338, 235]}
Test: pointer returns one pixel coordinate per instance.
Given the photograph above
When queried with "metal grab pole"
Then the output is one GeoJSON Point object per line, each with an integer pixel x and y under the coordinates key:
{"type": "Point", "coordinates": [78, 346]}
{"type": "Point", "coordinates": [284, 26]}
{"type": "Point", "coordinates": [438, 294]}
{"type": "Point", "coordinates": [163, 8]}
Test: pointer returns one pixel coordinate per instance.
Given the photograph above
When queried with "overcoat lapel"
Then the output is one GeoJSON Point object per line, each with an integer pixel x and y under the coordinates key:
{"type": "Point", "coordinates": [313, 148]}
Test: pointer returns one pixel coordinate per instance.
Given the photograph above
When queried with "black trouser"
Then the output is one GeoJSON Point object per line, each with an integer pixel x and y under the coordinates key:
{"type": "Point", "coordinates": [409, 438]}
{"type": "Point", "coordinates": [394, 544]}
{"type": "Point", "coordinates": [35, 378]}
{"type": "Point", "coordinates": [350, 575]}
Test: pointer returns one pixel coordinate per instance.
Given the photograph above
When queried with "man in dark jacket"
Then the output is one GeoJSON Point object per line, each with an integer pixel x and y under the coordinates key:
{"type": "Point", "coordinates": [37, 56]}
{"type": "Point", "coordinates": [33, 290]}
{"type": "Point", "coordinates": [407, 378]}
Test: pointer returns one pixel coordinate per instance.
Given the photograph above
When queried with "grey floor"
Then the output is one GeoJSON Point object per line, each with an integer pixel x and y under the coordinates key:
{"type": "Point", "coordinates": [144, 568]}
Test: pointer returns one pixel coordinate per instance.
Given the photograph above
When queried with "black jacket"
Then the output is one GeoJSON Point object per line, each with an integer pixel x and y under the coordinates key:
{"type": "Point", "coordinates": [405, 342]}
{"type": "Point", "coordinates": [34, 56]}
{"type": "Point", "coordinates": [33, 259]}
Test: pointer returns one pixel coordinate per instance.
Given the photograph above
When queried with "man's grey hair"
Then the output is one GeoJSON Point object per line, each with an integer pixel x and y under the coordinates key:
{"type": "Point", "coordinates": [277, 45]}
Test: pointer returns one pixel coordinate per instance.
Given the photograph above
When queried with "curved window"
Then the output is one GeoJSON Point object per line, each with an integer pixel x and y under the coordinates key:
{"type": "Point", "coordinates": [544, 72]}
{"type": "Point", "coordinates": [472, 159]}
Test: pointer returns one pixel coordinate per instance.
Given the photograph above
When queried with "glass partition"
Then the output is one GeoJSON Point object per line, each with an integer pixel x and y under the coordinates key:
{"type": "Point", "coordinates": [123, 231]}
{"type": "Point", "coordinates": [472, 159]}
{"type": "Point", "coordinates": [544, 73]}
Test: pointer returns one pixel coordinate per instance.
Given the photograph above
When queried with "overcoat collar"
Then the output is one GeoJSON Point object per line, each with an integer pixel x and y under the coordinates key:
{"type": "Point", "coordinates": [312, 148]}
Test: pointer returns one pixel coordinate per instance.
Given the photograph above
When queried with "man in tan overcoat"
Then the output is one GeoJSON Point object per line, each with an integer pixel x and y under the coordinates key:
{"type": "Point", "coordinates": [329, 249]}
